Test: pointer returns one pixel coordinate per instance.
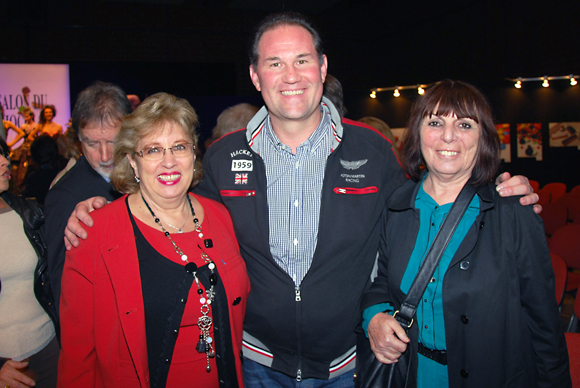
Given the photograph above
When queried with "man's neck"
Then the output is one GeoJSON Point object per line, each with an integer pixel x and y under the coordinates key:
{"type": "Point", "coordinates": [295, 132]}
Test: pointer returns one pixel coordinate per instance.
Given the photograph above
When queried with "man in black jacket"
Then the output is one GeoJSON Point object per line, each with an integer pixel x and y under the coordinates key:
{"type": "Point", "coordinates": [96, 117]}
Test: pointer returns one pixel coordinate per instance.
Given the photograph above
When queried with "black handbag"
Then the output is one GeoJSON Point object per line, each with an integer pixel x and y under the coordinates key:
{"type": "Point", "coordinates": [370, 372]}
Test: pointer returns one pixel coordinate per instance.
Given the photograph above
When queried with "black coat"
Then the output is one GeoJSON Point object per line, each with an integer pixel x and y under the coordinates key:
{"type": "Point", "coordinates": [79, 183]}
{"type": "Point", "coordinates": [502, 323]}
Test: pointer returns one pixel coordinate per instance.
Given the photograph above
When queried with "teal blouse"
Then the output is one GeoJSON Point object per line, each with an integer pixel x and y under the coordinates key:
{"type": "Point", "coordinates": [430, 317]}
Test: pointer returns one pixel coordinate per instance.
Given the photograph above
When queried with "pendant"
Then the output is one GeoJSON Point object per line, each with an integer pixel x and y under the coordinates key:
{"type": "Point", "coordinates": [201, 346]}
{"type": "Point", "coordinates": [184, 257]}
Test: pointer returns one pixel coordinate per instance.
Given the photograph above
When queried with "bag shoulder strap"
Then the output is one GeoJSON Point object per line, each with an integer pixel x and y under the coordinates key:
{"type": "Point", "coordinates": [407, 311]}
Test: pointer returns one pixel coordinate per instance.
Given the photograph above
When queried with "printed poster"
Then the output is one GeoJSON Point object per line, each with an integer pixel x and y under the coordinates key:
{"type": "Point", "coordinates": [34, 86]}
{"type": "Point", "coordinates": [530, 140]}
{"type": "Point", "coordinates": [503, 131]}
{"type": "Point", "coordinates": [564, 134]}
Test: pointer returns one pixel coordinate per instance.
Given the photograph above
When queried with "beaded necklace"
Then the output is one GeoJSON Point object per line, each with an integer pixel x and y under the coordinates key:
{"type": "Point", "coordinates": [204, 322]}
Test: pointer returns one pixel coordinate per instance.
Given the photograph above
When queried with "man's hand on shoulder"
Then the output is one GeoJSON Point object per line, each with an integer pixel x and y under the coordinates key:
{"type": "Point", "coordinates": [518, 185]}
{"type": "Point", "coordinates": [75, 231]}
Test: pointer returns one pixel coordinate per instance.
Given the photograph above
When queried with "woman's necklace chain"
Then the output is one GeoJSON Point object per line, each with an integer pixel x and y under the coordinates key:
{"type": "Point", "coordinates": [179, 230]}
{"type": "Point", "coordinates": [204, 322]}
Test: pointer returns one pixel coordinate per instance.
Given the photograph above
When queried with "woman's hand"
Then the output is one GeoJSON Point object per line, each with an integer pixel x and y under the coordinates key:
{"type": "Point", "coordinates": [518, 185]}
{"type": "Point", "coordinates": [387, 337]}
{"type": "Point", "coordinates": [74, 231]}
{"type": "Point", "coordinates": [12, 376]}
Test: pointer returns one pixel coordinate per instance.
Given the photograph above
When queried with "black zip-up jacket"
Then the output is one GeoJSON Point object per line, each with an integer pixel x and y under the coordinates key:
{"type": "Point", "coordinates": [305, 336]}
{"type": "Point", "coordinates": [32, 215]}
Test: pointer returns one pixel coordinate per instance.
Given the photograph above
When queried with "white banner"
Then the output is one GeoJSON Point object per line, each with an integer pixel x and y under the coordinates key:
{"type": "Point", "coordinates": [46, 85]}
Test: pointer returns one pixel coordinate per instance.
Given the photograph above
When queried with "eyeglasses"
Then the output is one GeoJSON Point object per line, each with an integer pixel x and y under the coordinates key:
{"type": "Point", "coordinates": [180, 150]}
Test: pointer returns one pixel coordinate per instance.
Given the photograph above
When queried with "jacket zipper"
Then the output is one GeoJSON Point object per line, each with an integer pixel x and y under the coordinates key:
{"type": "Point", "coordinates": [238, 193]}
{"type": "Point", "coordinates": [354, 190]}
{"type": "Point", "coordinates": [298, 298]}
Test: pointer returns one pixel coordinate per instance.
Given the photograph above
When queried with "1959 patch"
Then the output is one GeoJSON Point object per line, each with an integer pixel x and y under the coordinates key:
{"type": "Point", "coordinates": [242, 165]}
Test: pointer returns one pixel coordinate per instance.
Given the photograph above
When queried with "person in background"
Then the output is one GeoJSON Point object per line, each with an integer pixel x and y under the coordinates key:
{"type": "Point", "coordinates": [156, 295]}
{"type": "Point", "coordinates": [233, 118]}
{"type": "Point", "coordinates": [488, 317]}
{"type": "Point", "coordinates": [134, 100]}
{"type": "Point", "coordinates": [6, 125]}
{"type": "Point", "coordinates": [47, 126]}
{"type": "Point", "coordinates": [28, 339]}
{"type": "Point", "coordinates": [47, 162]}
{"type": "Point", "coordinates": [383, 128]}
{"type": "Point", "coordinates": [29, 127]}
{"type": "Point", "coordinates": [71, 148]}
{"type": "Point", "coordinates": [333, 91]}
{"type": "Point", "coordinates": [97, 117]}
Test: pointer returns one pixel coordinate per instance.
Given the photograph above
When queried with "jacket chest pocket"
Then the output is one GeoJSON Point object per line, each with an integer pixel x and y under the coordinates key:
{"type": "Point", "coordinates": [356, 190]}
{"type": "Point", "coordinates": [238, 193]}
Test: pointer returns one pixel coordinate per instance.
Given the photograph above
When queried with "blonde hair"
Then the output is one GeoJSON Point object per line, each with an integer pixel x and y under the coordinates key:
{"type": "Point", "coordinates": [151, 115]}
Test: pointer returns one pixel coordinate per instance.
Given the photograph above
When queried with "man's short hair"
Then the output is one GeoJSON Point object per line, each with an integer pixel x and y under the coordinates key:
{"type": "Point", "coordinates": [276, 20]}
{"type": "Point", "coordinates": [102, 103]}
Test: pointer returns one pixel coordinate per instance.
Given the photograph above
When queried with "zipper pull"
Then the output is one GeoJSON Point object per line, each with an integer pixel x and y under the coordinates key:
{"type": "Point", "coordinates": [299, 375]}
{"type": "Point", "coordinates": [298, 299]}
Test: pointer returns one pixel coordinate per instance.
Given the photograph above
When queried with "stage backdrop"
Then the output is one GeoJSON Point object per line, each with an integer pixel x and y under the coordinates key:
{"type": "Point", "coordinates": [34, 85]}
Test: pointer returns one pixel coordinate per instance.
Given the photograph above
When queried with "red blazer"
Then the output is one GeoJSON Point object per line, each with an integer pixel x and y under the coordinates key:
{"type": "Point", "coordinates": [102, 314]}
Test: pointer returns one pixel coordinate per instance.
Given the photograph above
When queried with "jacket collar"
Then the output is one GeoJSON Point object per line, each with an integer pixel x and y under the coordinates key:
{"type": "Point", "coordinates": [256, 124]}
{"type": "Point", "coordinates": [404, 198]}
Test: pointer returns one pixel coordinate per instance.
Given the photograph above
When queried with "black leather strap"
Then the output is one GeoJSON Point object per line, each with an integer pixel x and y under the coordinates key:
{"type": "Point", "coordinates": [439, 356]}
{"type": "Point", "coordinates": [407, 310]}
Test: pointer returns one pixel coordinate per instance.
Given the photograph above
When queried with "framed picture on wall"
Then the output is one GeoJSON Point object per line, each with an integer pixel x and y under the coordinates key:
{"type": "Point", "coordinates": [505, 151]}
{"type": "Point", "coordinates": [530, 140]}
{"type": "Point", "coordinates": [564, 134]}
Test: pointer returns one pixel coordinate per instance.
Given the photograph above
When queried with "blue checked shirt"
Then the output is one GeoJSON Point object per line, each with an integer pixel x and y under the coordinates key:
{"type": "Point", "coordinates": [294, 193]}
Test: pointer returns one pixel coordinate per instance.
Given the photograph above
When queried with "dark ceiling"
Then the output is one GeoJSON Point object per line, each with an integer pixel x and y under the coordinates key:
{"type": "Point", "coordinates": [369, 43]}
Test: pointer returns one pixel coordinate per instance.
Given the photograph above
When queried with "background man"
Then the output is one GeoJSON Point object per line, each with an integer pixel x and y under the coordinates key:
{"type": "Point", "coordinates": [96, 117]}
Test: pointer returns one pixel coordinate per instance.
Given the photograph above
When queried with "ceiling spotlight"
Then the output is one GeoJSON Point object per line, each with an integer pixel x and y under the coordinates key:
{"type": "Point", "coordinates": [518, 84]}
{"type": "Point", "coordinates": [573, 81]}
{"type": "Point", "coordinates": [545, 83]}
{"type": "Point", "coordinates": [396, 93]}
{"type": "Point", "coordinates": [420, 90]}
{"type": "Point", "coordinates": [374, 94]}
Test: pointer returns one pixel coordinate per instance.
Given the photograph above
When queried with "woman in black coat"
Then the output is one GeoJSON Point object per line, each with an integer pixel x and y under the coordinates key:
{"type": "Point", "coordinates": [488, 318]}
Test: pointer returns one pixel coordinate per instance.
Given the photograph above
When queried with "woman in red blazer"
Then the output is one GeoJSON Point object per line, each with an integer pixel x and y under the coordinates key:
{"type": "Point", "coordinates": [156, 295]}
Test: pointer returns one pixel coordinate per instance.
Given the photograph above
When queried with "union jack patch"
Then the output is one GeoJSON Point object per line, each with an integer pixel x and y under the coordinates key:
{"type": "Point", "coordinates": [241, 179]}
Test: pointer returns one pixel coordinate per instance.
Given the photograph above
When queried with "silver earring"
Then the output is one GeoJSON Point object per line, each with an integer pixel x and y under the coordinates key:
{"type": "Point", "coordinates": [137, 179]}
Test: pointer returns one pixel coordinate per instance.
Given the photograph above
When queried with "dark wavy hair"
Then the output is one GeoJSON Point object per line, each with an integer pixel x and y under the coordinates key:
{"type": "Point", "coordinates": [275, 20]}
{"type": "Point", "coordinates": [42, 119]}
{"type": "Point", "coordinates": [464, 101]}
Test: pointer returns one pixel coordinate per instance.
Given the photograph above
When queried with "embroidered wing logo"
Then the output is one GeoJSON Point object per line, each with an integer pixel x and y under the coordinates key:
{"type": "Point", "coordinates": [354, 164]}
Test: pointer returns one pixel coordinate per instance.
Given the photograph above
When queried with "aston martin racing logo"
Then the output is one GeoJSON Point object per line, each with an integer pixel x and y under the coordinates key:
{"type": "Point", "coordinates": [354, 164]}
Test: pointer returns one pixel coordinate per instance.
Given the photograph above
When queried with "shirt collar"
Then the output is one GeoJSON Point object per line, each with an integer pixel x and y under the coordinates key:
{"type": "Point", "coordinates": [331, 120]}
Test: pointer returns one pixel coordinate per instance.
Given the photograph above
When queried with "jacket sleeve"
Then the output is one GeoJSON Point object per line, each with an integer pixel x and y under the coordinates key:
{"type": "Point", "coordinates": [77, 361]}
{"type": "Point", "coordinates": [59, 205]}
{"type": "Point", "coordinates": [536, 279]}
{"type": "Point", "coordinates": [207, 187]}
{"type": "Point", "coordinates": [379, 291]}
